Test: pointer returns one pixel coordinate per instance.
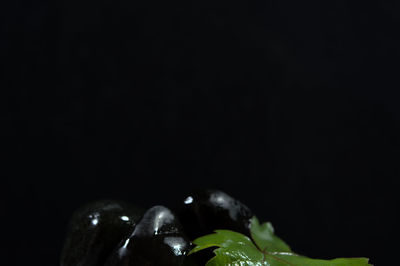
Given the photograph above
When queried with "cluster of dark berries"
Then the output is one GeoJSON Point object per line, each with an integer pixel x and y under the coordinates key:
{"type": "Point", "coordinates": [114, 233]}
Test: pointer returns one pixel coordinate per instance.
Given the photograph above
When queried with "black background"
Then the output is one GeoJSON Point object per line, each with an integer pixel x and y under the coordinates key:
{"type": "Point", "coordinates": [290, 106]}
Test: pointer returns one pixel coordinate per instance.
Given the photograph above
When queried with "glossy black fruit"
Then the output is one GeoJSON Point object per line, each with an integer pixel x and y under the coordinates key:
{"type": "Point", "coordinates": [156, 241]}
{"type": "Point", "coordinates": [95, 230]}
{"type": "Point", "coordinates": [207, 210]}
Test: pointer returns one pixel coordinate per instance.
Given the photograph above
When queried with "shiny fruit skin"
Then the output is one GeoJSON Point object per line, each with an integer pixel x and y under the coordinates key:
{"type": "Point", "coordinates": [157, 240]}
{"type": "Point", "coordinates": [95, 230]}
{"type": "Point", "coordinates": [207, 210]}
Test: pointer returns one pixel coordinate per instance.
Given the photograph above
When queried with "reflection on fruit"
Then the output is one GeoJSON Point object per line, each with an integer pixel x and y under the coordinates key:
{"type": "Point", "coordinates": [95, 230]}
{"type": "Point", "coordinates": [156, 240]}
{"type": "Point", "coordinates": [113, 233]}
{"type": "Point", "coordinates": [207, 210]}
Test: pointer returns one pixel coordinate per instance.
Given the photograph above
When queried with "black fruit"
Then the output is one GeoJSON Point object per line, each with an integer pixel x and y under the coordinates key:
{"type": "Point", "coordinates": [207, 210]}
{"type": "Point", "coordinates": [156, 241]}
{"type": "Point", "coordinates": [95, 230]}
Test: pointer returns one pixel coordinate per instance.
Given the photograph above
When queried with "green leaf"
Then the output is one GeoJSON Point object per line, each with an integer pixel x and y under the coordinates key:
{"type": "Point", "coordinates": [282, 259]}
{"type": "Point", "coordinates": [264, 238]}
{"type": "Point", "coordinates": [264, 249]}
{"type": "Point", "coordinates": [232, 247]}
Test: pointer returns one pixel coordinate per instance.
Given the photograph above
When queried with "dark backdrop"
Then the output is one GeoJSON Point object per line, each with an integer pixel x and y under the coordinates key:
{"type": "Point", "coordinates": [290, 106]}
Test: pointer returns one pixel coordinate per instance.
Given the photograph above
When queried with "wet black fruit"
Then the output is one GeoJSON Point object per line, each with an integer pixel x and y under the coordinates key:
{"type": "Point", "coordinates": [156, 241]}
{"type": "Point", "coordinates": [95, 230]}
{"type": "Point", "coordinates": [207, 210]}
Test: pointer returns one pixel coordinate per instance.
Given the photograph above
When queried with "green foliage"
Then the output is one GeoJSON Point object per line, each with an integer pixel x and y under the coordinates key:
{"type": "Point", "coordinates": [263, 249]}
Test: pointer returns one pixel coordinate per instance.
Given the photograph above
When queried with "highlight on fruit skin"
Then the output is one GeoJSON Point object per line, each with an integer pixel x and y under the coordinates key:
{"type": "Point", "coordinates": [208, 228]}
{"type": "Point", "coordinates": [157, 239]}
{"type": "Point", "coordinates": [95, 229]}
{"type": "Point", "coordinates": [204, 211]}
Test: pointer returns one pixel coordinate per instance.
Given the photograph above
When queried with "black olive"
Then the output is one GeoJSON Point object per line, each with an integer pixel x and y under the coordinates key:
{"type": "Point", "coordinates": [157, 240]}
{"type": "Point", "coordinates": [95, 230]}
{"type": "Point", "coordinates": [207, 210]}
